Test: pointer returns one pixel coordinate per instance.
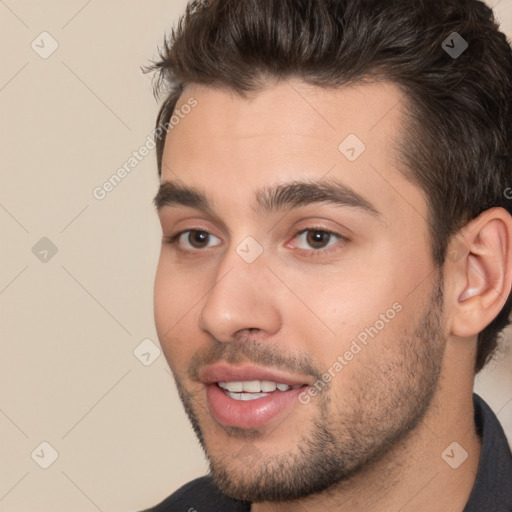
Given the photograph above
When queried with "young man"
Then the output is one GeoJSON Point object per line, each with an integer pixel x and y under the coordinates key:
{"type": "Point", "coordinates": [336, 261]}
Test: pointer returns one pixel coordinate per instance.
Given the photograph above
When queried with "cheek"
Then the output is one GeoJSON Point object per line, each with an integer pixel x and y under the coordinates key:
{"type": "Point", "coordinates": [179, 295]}
{"type": "Point", "coordinates": [164, 299]}
{"type": "Point", "coordinates": [173, 308]}
{"type": "Point", "coordinates": [360, 318]}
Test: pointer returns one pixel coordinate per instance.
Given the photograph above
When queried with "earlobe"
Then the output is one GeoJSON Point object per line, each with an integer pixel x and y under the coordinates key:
{"type": "Point", "coordinates": [484, 274]}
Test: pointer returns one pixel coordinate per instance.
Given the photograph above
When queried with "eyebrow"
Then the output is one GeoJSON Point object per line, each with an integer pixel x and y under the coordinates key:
{"type": "Point", "coordinates": [269, 199]}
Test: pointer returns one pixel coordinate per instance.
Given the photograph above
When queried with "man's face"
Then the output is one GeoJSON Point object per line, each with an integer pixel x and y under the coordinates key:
{"type": "Point", "coordinates": [275, 284]}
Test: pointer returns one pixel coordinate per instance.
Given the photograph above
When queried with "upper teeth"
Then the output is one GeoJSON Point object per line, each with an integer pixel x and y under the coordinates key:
{"type": "Point", "coordinates": [255, 386]}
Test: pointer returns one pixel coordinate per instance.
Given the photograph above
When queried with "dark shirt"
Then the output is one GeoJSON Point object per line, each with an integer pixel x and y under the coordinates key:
{"type": "Point", "coordinates": [492, 490]}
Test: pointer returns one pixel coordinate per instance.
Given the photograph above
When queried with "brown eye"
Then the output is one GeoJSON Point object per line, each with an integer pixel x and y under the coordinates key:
{"type": "Point", "coordinates": [193, 240]}
{"type": "Point", "coordinates": [198, 239]}
{"type": "Point", "coordinates": [317, 239]}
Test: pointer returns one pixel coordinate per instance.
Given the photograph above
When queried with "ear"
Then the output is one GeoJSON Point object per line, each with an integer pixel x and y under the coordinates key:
{"type": "Point", "coordinates": [482, 271]}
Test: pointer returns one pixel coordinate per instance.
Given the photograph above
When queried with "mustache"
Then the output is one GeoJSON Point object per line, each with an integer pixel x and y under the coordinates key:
{"type": "Point", "coordinates": [251, 351]}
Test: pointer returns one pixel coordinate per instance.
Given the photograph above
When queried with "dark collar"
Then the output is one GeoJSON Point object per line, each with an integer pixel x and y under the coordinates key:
{"type": "Point", "coordinates": [492, 490]}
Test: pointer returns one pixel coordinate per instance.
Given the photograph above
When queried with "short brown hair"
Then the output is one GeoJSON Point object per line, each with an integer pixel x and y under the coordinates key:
{"type": "Point", "coordinates": [457, 147]}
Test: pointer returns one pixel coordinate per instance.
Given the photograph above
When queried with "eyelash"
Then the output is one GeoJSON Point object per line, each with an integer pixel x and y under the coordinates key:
{"type": "Point", "coordinates": [173, 241]}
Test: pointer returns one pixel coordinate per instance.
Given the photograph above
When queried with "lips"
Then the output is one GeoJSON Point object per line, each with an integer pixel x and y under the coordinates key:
{"type": "Point", "coordinates": [225, 373]}
{"type": "Point", "coordinates": [254, 408]}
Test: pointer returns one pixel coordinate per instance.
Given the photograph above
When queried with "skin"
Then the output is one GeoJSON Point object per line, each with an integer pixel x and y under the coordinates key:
{"type": "Point", "coordinates": [379, 429]}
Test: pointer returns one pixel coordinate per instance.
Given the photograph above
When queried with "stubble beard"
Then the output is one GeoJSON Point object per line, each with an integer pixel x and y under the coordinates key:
{"type": "Point", "coordinates": [339, 444]}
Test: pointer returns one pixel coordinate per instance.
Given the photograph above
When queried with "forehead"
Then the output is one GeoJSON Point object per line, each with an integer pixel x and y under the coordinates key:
{"type": "Point", "coordinates": [237, 145]}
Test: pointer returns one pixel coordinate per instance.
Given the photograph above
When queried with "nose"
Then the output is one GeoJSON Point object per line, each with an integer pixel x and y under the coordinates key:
{"type": "Point", "coordinates": [241, 298]}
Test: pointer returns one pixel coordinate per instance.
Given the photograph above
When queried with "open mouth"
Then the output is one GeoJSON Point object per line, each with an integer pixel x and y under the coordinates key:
{"type": "Point", "coordinates": [250, 396]}
{"type": "Point", "coordinates": [251, 404]}
{"type": "Point", "coordinates": [254, 389]}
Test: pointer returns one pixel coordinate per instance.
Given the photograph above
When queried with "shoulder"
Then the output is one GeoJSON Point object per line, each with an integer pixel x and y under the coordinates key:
{"type": "Point", "coordinates": [200, 495]}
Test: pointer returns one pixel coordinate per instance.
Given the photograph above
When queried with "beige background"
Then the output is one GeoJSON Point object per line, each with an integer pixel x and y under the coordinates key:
{"type": "Point", "coordinates": [69, 326]}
